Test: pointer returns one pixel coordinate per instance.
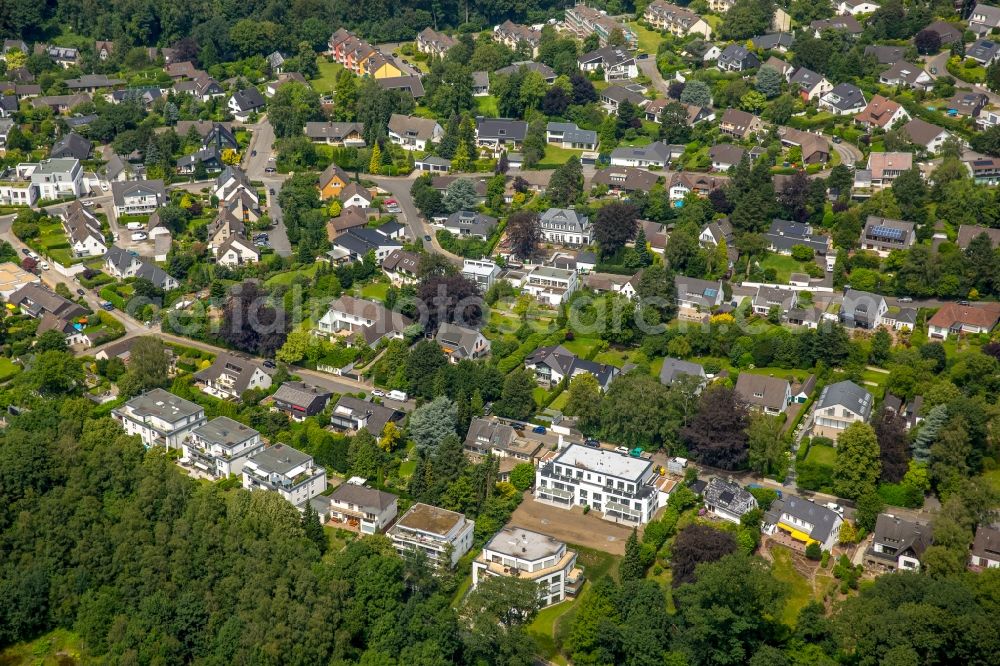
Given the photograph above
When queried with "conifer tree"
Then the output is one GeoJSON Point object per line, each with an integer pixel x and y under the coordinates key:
{"type": "Point", "coordinates": [375, 164]}
{"type": "Point", "coordinates": [314, 529]}
{"type": "Point", "coordinates": [631, 567]}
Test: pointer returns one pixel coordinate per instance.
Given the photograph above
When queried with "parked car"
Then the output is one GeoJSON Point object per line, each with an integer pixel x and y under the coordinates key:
{"type": "Point", "coordinates": [253, 153]}
{"type": "Point", "coordinates": [905, 299]}
{"type": "Point", "coordinates": [836, 508]}
{"type": "Point", "coordinates": [427, 238]}
{"type": "Point", "coordinates": [88, 203]}
{"type": "Point", "coordinates": [25, 251]}
{"type": "Point", "coordinates": [139, 236]}
{"type": "Point", "coordinates": [272, 191]}
{"type": "Point", "coordinates": [592, 443]}
{"type": "Point", "coordinates": [268, 363]}
{"type": "Point", "coordinates": [80, 292]}
{"type": "Point", "coordinates": [622, 450]}
{"type": "Point", "coordinates": [538, 430]}
{"type": "Point", "coordinates": [270, 170]}
{"type": "Point", "coordinates": [378, 393]}
{"type": "Point", "coordinates": [108, 305]}
{"type": "Point", "coordinates": [44, 264]}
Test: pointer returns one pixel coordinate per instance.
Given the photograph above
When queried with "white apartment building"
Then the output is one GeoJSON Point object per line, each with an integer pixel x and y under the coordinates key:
{"type": "Point", "coordinates": [551, 285]}
{"type": "Point", "coordinates": [159, 418]}
{"type": "Point", "coordinates": [620, 487]}
{"type": "Point", "coordinates": [220, 447]}
{"type": "Point", "coordinates": [565, 226]}
{"type": "Point", "coordinates": [358, 507]}
{"type": "Point", "coordinates": [443, 536]}
{"type": "Point", "coordinates": [16, 188]}
{"type": "Point", "coordinates": [58, 178]}
{"type": "Point", "coordinates": [286, 471]}
{"type": "Point", "coordinates": [482, 272]}
{"type": "Point", "coordinates": [530, 556]}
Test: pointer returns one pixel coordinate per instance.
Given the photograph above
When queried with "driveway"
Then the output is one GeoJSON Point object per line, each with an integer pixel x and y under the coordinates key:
{"type": "Point", "coordinates": [648, 67]}
{"type": "Point", "coordinates": [399, 188]}
{"type": "Point", "coordinates": [849, 153]}
{"type": "Point", "coordinates": [255, 166]}
{"type": "Point", "coordinates": [571, 526]}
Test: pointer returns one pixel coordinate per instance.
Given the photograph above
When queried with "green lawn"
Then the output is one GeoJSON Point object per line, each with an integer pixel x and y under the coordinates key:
{"type": "Point", "coordinates": [619, 358]}
{"type": "Point", "coordinates": [581, 346]}
{"type": "Point", "coordinates": [822, 455]}
{"type": "Point", "coordinates": [406, 468]}
{"type": "Point", "coordinates": [288, 277]}
{"type": "Point", "coordinates": [8, 368]}
{"type": "Point", "coordinates": [327, 79]}
{"type": "Point", "coordinates": [783, 265]}
{"type": "Point", "coordinates": [560, 402]}
{"type": "Point", "coordinates": [649, 40]}
{"type": "Point", "coordinates": [375, 291]}
{"type": "Point", "coordinates": [800, 592]}
{"type": "Point", "coordinates": [992, 477]}
{"type": "Point", "coordinates": [487, 106]}
{"type": "Point", "coordinates": [543, 630]}
{"type": "Point", "coordinates": [556, 156]}
{"type": "Point", "coordinates": [540, 395]}
{"type": "Point", "coordinates": [52, 649]}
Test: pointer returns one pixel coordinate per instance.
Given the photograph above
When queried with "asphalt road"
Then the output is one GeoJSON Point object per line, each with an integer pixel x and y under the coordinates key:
{"type": "Point", "coordinates": [849, 153]}
{"type": "Point", "coordinates": [417, 229]}
{"type": "Point", "coordinates": [255, 166]}
{"type": "Point", "coordinates": [940, 63]}
{"type": "Point", "coordinates": [648, 67]}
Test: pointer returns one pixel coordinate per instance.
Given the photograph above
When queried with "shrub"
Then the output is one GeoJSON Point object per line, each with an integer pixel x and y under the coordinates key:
{"type": "Point", "coordinates": [814, 552]}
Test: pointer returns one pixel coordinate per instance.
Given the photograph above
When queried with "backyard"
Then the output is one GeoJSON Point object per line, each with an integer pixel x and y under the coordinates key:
{"type": "Point", "coordinates": [783, 266]}
{"type": "Point", "coordinates": [51, 242]}
{"type": "Point", "coordinates": [327, 79]}
{"type": "Point", "coordinates": [556, 156]}
{"type": "Point", "coordinates": [649, 40]}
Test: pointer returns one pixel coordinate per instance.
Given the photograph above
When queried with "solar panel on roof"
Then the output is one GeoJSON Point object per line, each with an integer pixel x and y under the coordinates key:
{"type": "Point", "coordinates": [888, 232]}
{"type": "Point", "coordinates": [711, 293]}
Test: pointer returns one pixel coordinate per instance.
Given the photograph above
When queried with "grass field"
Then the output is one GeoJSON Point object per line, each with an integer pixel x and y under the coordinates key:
{"type": "Point", "coordinates": [992, 477]}
{"type": "Point", "coordinates": [783, 265]}
{"type": "Point", "coordinates": [8, 369]}
{"type": "Point", "coordinates": [406, 468]}
{"type": "Point", "coordinates": [540, 395]}
{"type": "Point", "coordinates": [649, 40]}
{"type": "Point", "coordinates": [487, 106]}
{"type": "Point", "coordinates": [560, 402]}
{"type": "Point", "coordinates": [56, 648]}
{"type": "Point", "coordinates": [619, 358]}
{"type": "Point", "coordinates": [289, 277]}
{"type": "Point", "coordinates": [800, 591]}
{"type": "Point", "coordinates": [375, 291]}
{"type": "Point", "coordinates": [327, 79]}
{"type": "Point", "coordinates": [581, 346]}
{"type": "Point", "coordinates": [822, 455]}
{"type": "Point", "coordinates": [556, 156]}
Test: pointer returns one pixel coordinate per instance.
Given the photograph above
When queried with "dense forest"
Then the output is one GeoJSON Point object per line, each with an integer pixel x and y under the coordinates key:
{"type": "Point", "coordinates": [149, 566]}
{"type": "Point", "coordinates": [230, 27]}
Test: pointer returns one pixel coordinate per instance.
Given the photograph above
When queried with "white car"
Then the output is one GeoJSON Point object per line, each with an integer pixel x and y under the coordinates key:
{"type": "Point", "coordinates": [104, 186]}
{"type": "Point", "coordinates": [378, 393]}
{"type": "Point", "coordinates": [139, 236]}
{"type": "Point", "coordinates": [44, 265]}
{"type": "Point", "coordinates": [836, 508]}
{"type": "Point", "coordinates": [88, 203]}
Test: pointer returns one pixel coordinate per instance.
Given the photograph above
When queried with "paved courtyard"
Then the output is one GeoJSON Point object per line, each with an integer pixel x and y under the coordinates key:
{"type": "Point", "coordinates": [571, 525]}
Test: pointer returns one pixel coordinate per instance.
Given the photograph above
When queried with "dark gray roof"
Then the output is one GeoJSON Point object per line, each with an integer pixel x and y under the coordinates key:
{"type": "Point", "coordinates": [249, 99]}
{"type": "Point", "coordinates": [571, 132]}
{"type": "Point", "coordinates": [540, 67]}
{"type": "Point", "coordinates": [608, 56]}
{"type": "Point", "coordinates": [458, 337]}
{"type": "Point", "coordinates": [805, 78]}
{"type": "Point", "coordinates": [657, 151]}
{"type": "Point", "coordinates": [738, 54]}
{"type": "Point", "coordinates": [847, 394]}
{"type": "Point", "coordinates": [42, 300]}
{"type": "Point", "coordinates": [563, 219]}
{"type": "Point", "coordinates": [71, 145]}
{"type": "Point", "coordinates": [122, 260]}
{"type": "Point", "coordinates": [122, 189]}
{"type": "Point", "coordinates": [773, 40]}
{"type": "Point", "coordinates": [619, 94]}
{"type": "Point", "coordinates": [375, 415]}
{"type": "Point", "coordinates": [410, 84]}
{"type": "Point", "coordinates": [505, 129]}
{"type": "Point", "coordinates": [300, 393]}
{"type": "Point", "coordinates": [901, 535]}
{"type": "Point", "coordinates": [225, 431]}
{"type": "Point", "coordinates": [785, 234]}
{"type": "Point", "coordinates": [821, 518]}
{"type": "Point", "coordinates": [476, 224]}
{"type": "Point", "coordinates": [675, 367]}
{"type": "Point", "coordinates": [280, 459]}
{"type": "Point", "coordinates": [845, 96]}
{"type": "Point", "coordinates": [163, 405]}
{"type": "Point", "coordinates": [983, 50]}
{"type": "Point", "coordinates": [335, 131]}
{"type": "Point", "coordinates": [885, 55]}
{"type": "Point", "coordinates": [228, 364]}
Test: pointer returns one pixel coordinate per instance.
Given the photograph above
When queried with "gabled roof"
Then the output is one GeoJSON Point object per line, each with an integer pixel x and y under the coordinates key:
{"type": "Point", "coordinates": [376, 416]}
{"type": "Point", "coordinates": [846, 22]}
{"type": "Point", "coordinates": [673, 368]}
{"type": "Point", "coordinates": [608, 56]}
{"type": "Point", "coordinates": [772, 390]}
{"type": "Point", "coordinates": [849, 395]}
{"type": "Point", "coordinates": [458, 337]}
{"type": "Point", "coordinates": [625, 178]}
{"type": "Point", "coordinates": [300, 394]}
{"type": "Point", "coordinates": [242, 369]}
{"type": "Point", "coordinates": [71, 145]}
{"type": "Point", "coordinates": [656, 151]}
{"type": "Point", "coordinates": [885, 55]}
{"type": "Point", "coordinates": [134, 188]}
{"type": "Point", "coordinates": [540, 67]}
{"type": "Point", "coordinates": [879, 112]}
{"type": "Point", "coordinates": [773, 40]}
{"type": "Point", "coordinates": [822, 519]}
{"type": "Point", "coordinates": [402, 260]}
{"type": "Point", "coordinates": [355, 189]}
{"type": "Point", "coordinates": [501, 128]}
{"type": "Point", "coordinates": [726, 153]}
{"type": "Point", "coordinates": [845, 96]}
{"type": "Point", "coordinates": [413, 126]}
{"type": "Point", "coordinates": [922, 132]}
{"type": "Point", "coordinates": [806, 78]}
{"type": "Point", "coordinates": [331, 171]}
{"type": "Point", "coordinates": [967, 232]}
{"type": "Point", "coordinates": [982, 315]}
{"type": "Point", "coordinates": [249, 99]}
{"type": "Point", "coordinates": [619, 94]}
{"type": "Point", "coordinates": [366, 499]}
{"type": "Point", "coordinates": [44, 300]}
{"type": "Point", "coordinates": [902, 535]}
{"type": "Point", "coordinates": [412, 84]}
{"type": "Point", "coordinates": [879, 163]}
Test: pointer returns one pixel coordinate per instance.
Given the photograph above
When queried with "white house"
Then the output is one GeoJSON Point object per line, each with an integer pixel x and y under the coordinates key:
{"type": "Point", "coordinates": [728, 500]}
{"type": "Point", "coordinates": [620, 487]}
{"type": "Point", "coordinates": [159, 418]}
{"type": "Point", "coordinates": [286, 471]}
{"type": "Point", "coordinates": [442, 536]}
{"type": "Point", "coordinates": [355, 317]}
{"type": "Point", "coordinates": [985, 549]}
{"type": "Point", "coordinates": [897, 544]}
{"type": "Point", "coordinates": [367, 510]}
{"type": "Point", "coordinates": [770, 395]}
{"type": "Point", "coordinates": [855, 7]}
{"type": "Point", "coordinates": [138, 197]}
{"type": "Point", "coordinates": [355, 195]}
{"type": "Point", "coordinates": [245, 103]}
{"type": "Point", "coordinates": [83, 230]}
{"type": "Point", "coordinates": [550, 285]}
{"type": "Point", "coordinates": [483, 272]}
{"type": "Point", "coordinates": [840, 405]}
{"type": "Point", "coordinates": [230, 376]}
{"type": "Point", "coordinates": [220, 447]}
{"type": "Point", "coordinates": [803, 522]}
{"type": "Point", "coordinates": [413, 132]}
{"type": "Point", "coordinates": [236, 251]}
{"type": "Point", "coordinates": [527, 555]}
{"type": "Point", "coordinates": [569, 135]}
{"type": "Point", "coordinates": [564, 226]}
{"type": "Point", "coordinates": [57, 178]}
{"type": "Point", "coordinates": [121, 264]}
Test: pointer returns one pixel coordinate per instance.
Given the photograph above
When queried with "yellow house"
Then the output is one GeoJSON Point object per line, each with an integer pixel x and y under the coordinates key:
{"type": "Point", "coordinates": [378, 66]}
{"type": "Point", "coordinates": [332, 181]}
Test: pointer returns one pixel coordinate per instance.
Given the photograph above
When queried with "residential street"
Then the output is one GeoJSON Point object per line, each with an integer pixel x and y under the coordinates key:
{"type": "Point", "coordinates": [262, 141]}
{"type": "Point", "coordinates": [399, 188]}
{"type": "Point", "coordinates": [940, 63]}
{"type": "Point", "coordinates": [849, 153]}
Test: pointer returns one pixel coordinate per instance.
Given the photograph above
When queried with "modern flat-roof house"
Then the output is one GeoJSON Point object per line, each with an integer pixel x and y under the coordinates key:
{"type": "Point", "coordinates": [527, 555]}
{"type": "Point", "coordinates": [550, 285]}
{"type": "Point", "coordinates": [442, 536]}
{"type": "Point", "coordinates": [678, 21]}
{"type": "Point", "coordinates": [482, 272]}
{"type": "Point", "coordinates": [802, 522]}
{"type": "Point", "coordinates": [840, 405]}
{"type": "Point", "coordinates": [897, 544]}
{"type": "Point", "coordinates": [883, 235]}
{"type": "Point", "coordinates": [286, 471]}
{"type": "Point", "coordinates": [138, 197]}
{"type": "Point", "coordinates": [728, 500]}
{"type": "Point", "coordinates": [359, 318]}
{"type": "Point", "coordinates": [230, 376]}
{"type": "Point", "coordinates": [770, 395]}
{"type": "Point", "coordinates": [554, 363]}
{"type": "Point", "coordinates": [956, 319]}
{"type": "Point", "coordinates": [461, 342]}
{"type": "Point", "coordinates": [298, 400]}
{"type": "Point", "coordinates": [654, 155]}
{"type": "Point", "coordinates": [674, 368]}
{"type": "Point", "coordinates": [620, 487]}
{"type": "Point", "coordinates": [356, 507]}
{"type": "Point", "coordinates": [159, 418]}
{"type": "Point", "coordinates": [862, 309]}
{"type": "Point", "coordinates": [355, 414]}
{"type": "Point", "coordinates": [985, 552]}
{"type": "Point", "coordinates": [220, 447]}
{"type": "Point", "coordinates": [570, 136]}
{"type": "Point", "coordinates": [564, 226]}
